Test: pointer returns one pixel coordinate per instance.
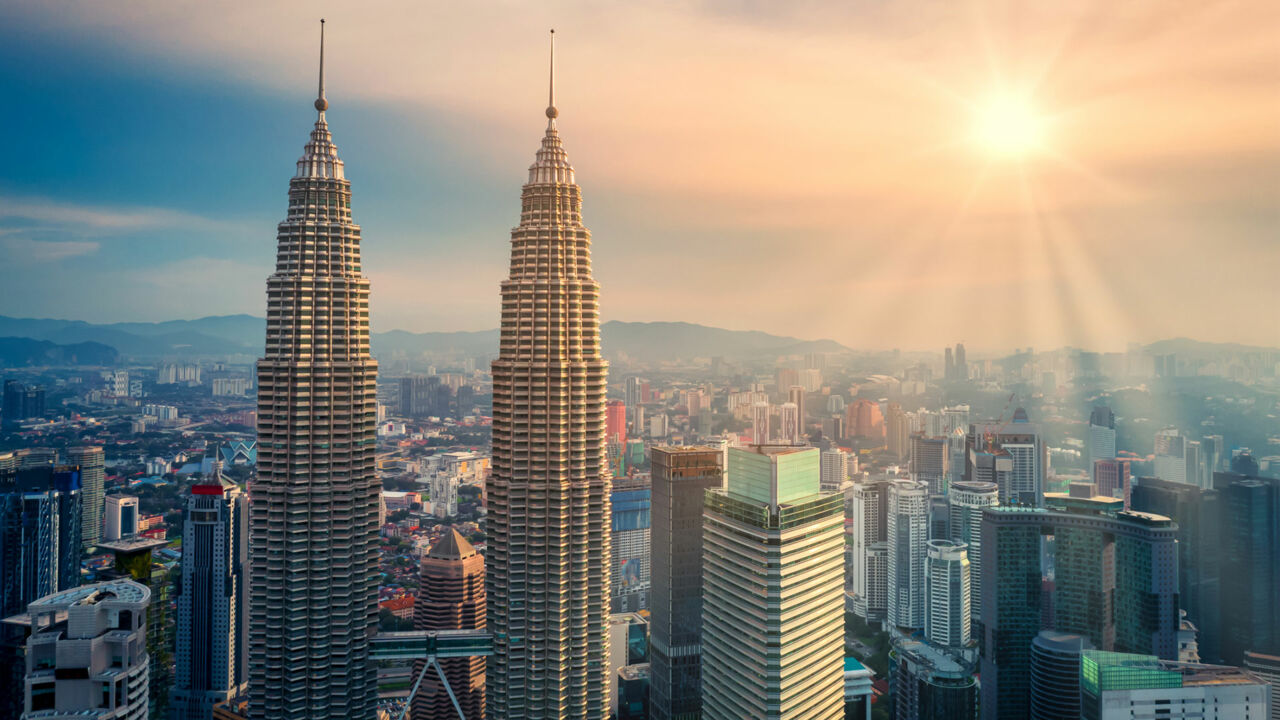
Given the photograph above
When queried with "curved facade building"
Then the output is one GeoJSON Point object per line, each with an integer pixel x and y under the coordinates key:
{"type": "Point", "coordinates": [314, 510]}
{"type": "Point", "coordinates": [947, 593]}
{"type": "Point", "coordinates": [548, 550]}
{"type": "Point", "coordinates": [1055, 675]}
{"type": "Point", "coordinates": [908, 531]}
{"type": "Point", "coordinates": [966, 499]}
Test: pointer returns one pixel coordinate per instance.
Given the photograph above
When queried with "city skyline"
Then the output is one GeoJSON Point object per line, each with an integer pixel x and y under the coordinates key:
{"type": "Point", "coordinates": [841, 112]}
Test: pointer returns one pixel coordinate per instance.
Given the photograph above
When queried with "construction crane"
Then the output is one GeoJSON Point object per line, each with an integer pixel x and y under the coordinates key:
{"type": "Point", "coordinates": [989, 436]}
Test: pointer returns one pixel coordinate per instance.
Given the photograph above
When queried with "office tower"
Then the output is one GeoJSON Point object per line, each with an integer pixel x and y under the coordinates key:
{"type": "Point", "coordinates": [634, 682]}
{"type": "Point", "coordinates": [615, 423]}
{"type": "Point", "coordinates": [795, 396]}
{"type": "Point", "coordinates": [1196, 511]}
{"type": "Point", "coordinates": [632, 392]}
{"type": "Point", "coordinates": [548, 555]}
{"type": "Point", "coordinates": [1266, 667]}
{"type": "Point", "coordinates": [939, 518]}
{"type": "Point", "coordinates": [1116, 583]}
{"type": "Point", "coordinates": [1249, 564]}
{"type": "Point", "coordinates": [868, 505]}
{"type": "Point", "coordinates": [929, 462]}
{"type": "Point", "coordinates": [773, 600]}
{"type": "Point", "coordinates": [1120, 686]}
{"type": "Point", "coordinates": [92, 481]}
{"type": "Point", "coordinates": [948, 364]}
{"type": "Point", "coordinates": [962, 364]}
{"type": "Point", "coordinates": [967, 501]}
{"type": "Point", "coordinates": [28, 458]}
{"type": "Point", "coordinates": [835, 470]}
{"type": "Point", "coordinates": [121, 517]}
{"type": "Point", "coordinates": [1111, 479]}
{"type": "Point", "coordinates": [1170, 456]}
{"type": "Point", "coordinates": [451, 596]}
{"type": "Point", "coordinates": [681, 477]}
{"type": "Point", "coordinates": [789, 423]}
{"type": "Point", "coordinates": [314, 516]}
{"type": "Point", "coordinates": [929, 682]}
{"type": "Point", "coordinates": [1102, 434]}
{"type": "Point", "coordinates": [87, 654]}
{"type": "Point", "coordinates": [898, 432]}
{"type": "Point", "coordinates": [22, 401]}
{"type": "Point", "coordinates": [760, 422]}
{"type": "Point", "coordinates": [1055, 675]}
{"type": "Point", "coordinates": [423, 396]}
{"type": "Point", "coordinates": [630, 579]}
{"type": "Point", "coordinates": [212, 639]}
{"type": "Point", "coordinates": [907, 531]}
{"type": "Point", "coordinates": [947, 588]}
{"type": "Point", "coordinates": [1214, 447]}
{"type": "Point", "coordinates": [1193, 471]}
{"type": "Point", "coordinates": [957, 456]}
{"type": "Point", "coordinates": [1012, 455]}
{"type": "Point", "coordinates": [40, 552]}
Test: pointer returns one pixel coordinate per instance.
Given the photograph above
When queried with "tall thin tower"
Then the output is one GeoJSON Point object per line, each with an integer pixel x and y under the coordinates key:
{"type": "Point", "coordinates": [314, 509]}
{"type": "Point", "coordinates": [548, 554]}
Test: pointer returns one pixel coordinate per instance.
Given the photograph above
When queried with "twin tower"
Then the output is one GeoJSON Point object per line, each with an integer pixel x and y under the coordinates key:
{"type": "Point", "coordinates": [314, 510]}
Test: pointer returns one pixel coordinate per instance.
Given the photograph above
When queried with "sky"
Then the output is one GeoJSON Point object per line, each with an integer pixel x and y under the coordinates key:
{"type": "Point", "coordinates": [903, 174]}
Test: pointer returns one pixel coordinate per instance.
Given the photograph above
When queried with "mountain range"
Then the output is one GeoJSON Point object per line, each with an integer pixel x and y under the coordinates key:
{"type": "Point", "coordinates": [243, 335]}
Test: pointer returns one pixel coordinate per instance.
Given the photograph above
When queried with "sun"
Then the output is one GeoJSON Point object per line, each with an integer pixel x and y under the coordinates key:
{"type": "Point", "coordinates": [1009, 127]}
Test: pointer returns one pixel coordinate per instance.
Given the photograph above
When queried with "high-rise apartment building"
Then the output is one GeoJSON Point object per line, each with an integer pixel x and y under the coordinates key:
{"type": "Point", "coordinates": [121, 517]}
{"type": "Point", "coordinates": [212, 638]}
{"type": "Point", "coordinates": [632, 396]}
{"type": "Point", "coordinates": [629, 584]}
{"type": "Point", "coordinates": [773, 600]}
{"type": "Point", "coordinates": [548, 555]}
{"type": "Point", "coordinates": [907, 531]}
{"type": "Point", "coordinates": [90, 459]}
{"type": "Point", "coordinates": [966, 501]}
{"type": "Point", "coordinates": [40, 553]}
{"type": "Point", "coordinates": [681, 478]}
{"type": "Point", "coordinates": [1115, 582]}
{"type": "Point", "coordinates": [1102, 434]}
{"type": "Point", "coordinates": [947, 591]}
{"type": "Point", "coordinates": [789, 423]}
{"type": "Point", "coordinates": [87, 653]}
{"type": "Point", "coordinates": [796, 396]}
{"type": "Point", "coordinates": [760, 412]}
{"type": "Point", "coordinates": [930, 462]}
{"type": "Point", "coordinates": [314, 516]}
{"type": "Point", "coordinates": [897, 426]}
{"type": "Point", "coordinates": [835, 469]}
{"type": "Point", "coordinates": [867, 508]}
{"type": "Point", "coordinates": [616, 423]}
{"type": "Point", "coordinates": [451, 597]}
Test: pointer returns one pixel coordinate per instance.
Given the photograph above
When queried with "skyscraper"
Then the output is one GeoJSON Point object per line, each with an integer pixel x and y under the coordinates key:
{"type": "Point", "coordinates": [548, 554]}
{"type": "Point", "coordinates": [1102, 434]}
{"type": "Point", "coordinates": [1170, 456]}
{"type": "Point", "coordinates": [929, 462]}
{"type": "Point", "coordinates": [1017, 445]}
{"type": "Point", "coordinates": [835, 469]}
{"type": "Point", "coordinates": [629, 582]}
{"type": "Point", "coordinates": [212, 638]}
{"type": "Point", "coordinates": [789, 423]}
{"type": "Point", "coordinates": [1111, 479]}
{"type": "Point", "coordinates": [947, 588]}
{"type": "Point", "coordinates": [908, 531]}
{"type": "Point", "coordinates": [92, 481]}
{"type": "Point", "coordinates": [451, 597]}
{"type": "Point", "coordinates": [1249, 564]}
{"type": "Point", "coordinates": [773, 600]}
{"type": "Point", "coordinates": [1116, 583]}
{"type": "Point", "coordinates": [796, 395]}
{"type": "Point", "coordinates": [868, 503]}
{"type": "Point", "coordinates": [681, 477]}
{"type": "Point", "coordinates": [314, 515]}
{"type": "Point", "coordinates": [966, 501]}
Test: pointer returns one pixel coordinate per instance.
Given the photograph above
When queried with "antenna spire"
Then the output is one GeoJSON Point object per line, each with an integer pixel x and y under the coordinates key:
{"type": "Point", "coordinates": [321, 103]}
{"type": "Point", "coordinates": [552, 112]}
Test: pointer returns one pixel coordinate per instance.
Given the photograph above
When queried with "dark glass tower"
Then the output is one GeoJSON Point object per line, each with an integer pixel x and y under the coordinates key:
{"type": "Point", "coordinates": [548, 553]}
{"type": "Point", "coordinates": [314, 510]}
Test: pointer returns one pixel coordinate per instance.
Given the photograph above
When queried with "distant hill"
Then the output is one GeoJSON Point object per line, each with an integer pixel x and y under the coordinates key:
{"type": "Point", "coordinates": [25, 352]}
{"type": "Point", "coordinates": [243, 334]}
{"type": "Point", "coordinates": [1196, 348]}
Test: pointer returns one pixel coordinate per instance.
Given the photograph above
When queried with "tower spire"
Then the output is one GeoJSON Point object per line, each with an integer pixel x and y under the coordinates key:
{"type": "Point", "coordinates": [321, 103]}
{"type": "Point", "coordinates": [552, 112]}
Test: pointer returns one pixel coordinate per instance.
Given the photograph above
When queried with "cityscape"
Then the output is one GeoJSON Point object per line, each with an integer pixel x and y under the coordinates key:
{"type": "Point", "coordinates": [1001, 475]}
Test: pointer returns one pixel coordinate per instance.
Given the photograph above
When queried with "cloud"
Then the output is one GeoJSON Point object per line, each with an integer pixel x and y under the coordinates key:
{"type": "Point", "coordinates": [26, 251]}
{"type": "Point", "coordinates": [98, 220]}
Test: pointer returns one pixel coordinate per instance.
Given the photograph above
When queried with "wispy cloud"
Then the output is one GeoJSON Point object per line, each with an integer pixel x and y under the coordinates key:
{"type": "Point", "coordinates": [26, 251]}
{"type": "Point", "coordinates": [90, 219]}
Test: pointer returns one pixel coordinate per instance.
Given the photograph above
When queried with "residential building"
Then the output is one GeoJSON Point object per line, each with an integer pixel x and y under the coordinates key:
{"type": "Point", "coordinates": [548, 494]}
{"type": "Point", "coordinates": [966, 501]}
{"type": "Point", "coordinates": [789, 423]}
{"type": "Point", "coordinates": [947, 611]}
{"type": "Point", "coordinates": [310, 622]}
{"type": "Point", "coordinates": [835, 469]}
{"type": "Point", "coordinates": [451, 596]}
{"type": "Point", "coordinates": [87, 655]}
{"type": "Point", "coordinates": [907, 533]}
{"type": "Point", "coordinates": [867, 512]}
{"type": "Point", "coordinates": [212, 639]}
{"type": "Point", "coordinates": [773, 600]}
{"type": "Point", "coordinates": [681, 478]}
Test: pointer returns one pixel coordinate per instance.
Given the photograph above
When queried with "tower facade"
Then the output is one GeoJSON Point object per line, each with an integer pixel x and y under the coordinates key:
{"type": "Point", "coordinates": [212, 650]}
{"type": "Point", "coordinates": [314, 515]}
{"type": "Point", "coordinates": [681, 477]}
{"type": "Point", "coordinates": [548, 553]}
{"type": "Point", "coordinates": [908, 531]}
{"type": "Point", "coordinates": [966, 501]}
{"type": "Point", "coordinates": [451, 597]}
{"type": "Point", "coordinates": [92, 481]}
{"type": "Point", "coordinates": [947, 589]}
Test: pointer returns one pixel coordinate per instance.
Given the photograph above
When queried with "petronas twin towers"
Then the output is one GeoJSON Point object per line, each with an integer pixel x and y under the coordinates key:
{"type": "Point", "coordinates": [314, 544]}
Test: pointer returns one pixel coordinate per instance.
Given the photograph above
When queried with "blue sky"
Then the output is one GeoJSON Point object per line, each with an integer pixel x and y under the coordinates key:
{"type": "Point", "coordinates": [808, 170]}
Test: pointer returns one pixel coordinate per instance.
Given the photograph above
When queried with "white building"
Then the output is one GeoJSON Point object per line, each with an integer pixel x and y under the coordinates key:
{"type": "Point", "coordinates": [1170, 456]}
{"type": "Point", "coordinates": [966, 501]}
{"type": "Point", "coordinates": [947, 574]}
{"type": "Point", "coordinates": [658, 425]}
{"type": "Point", "coordinates": [1121, 686]}
{"type": "Point", "coordinates": [760, 422]}
{"type": "Point", "coordinates": [789, 423]}
{"type": "Point", "coordinates": [118, 383]}
{"type": "Point", "coordinates": [87, 653]}
{"type": "Point", "coordinates": [230, 387]}
{"type": "Point", "coordinates": [121, 516]}
{"type": "Point", "coordinates": [835, 470]}
{"type": "Point", "coordinates": [907, 532]}
{"type": "Point", "coordinates": [773, 601]}
{"type": "Point", "coordinates": [1102, 434]}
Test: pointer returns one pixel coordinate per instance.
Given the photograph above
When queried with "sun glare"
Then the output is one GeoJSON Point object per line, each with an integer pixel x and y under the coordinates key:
{"type": "Point", "coordinates": [1009, 127]}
